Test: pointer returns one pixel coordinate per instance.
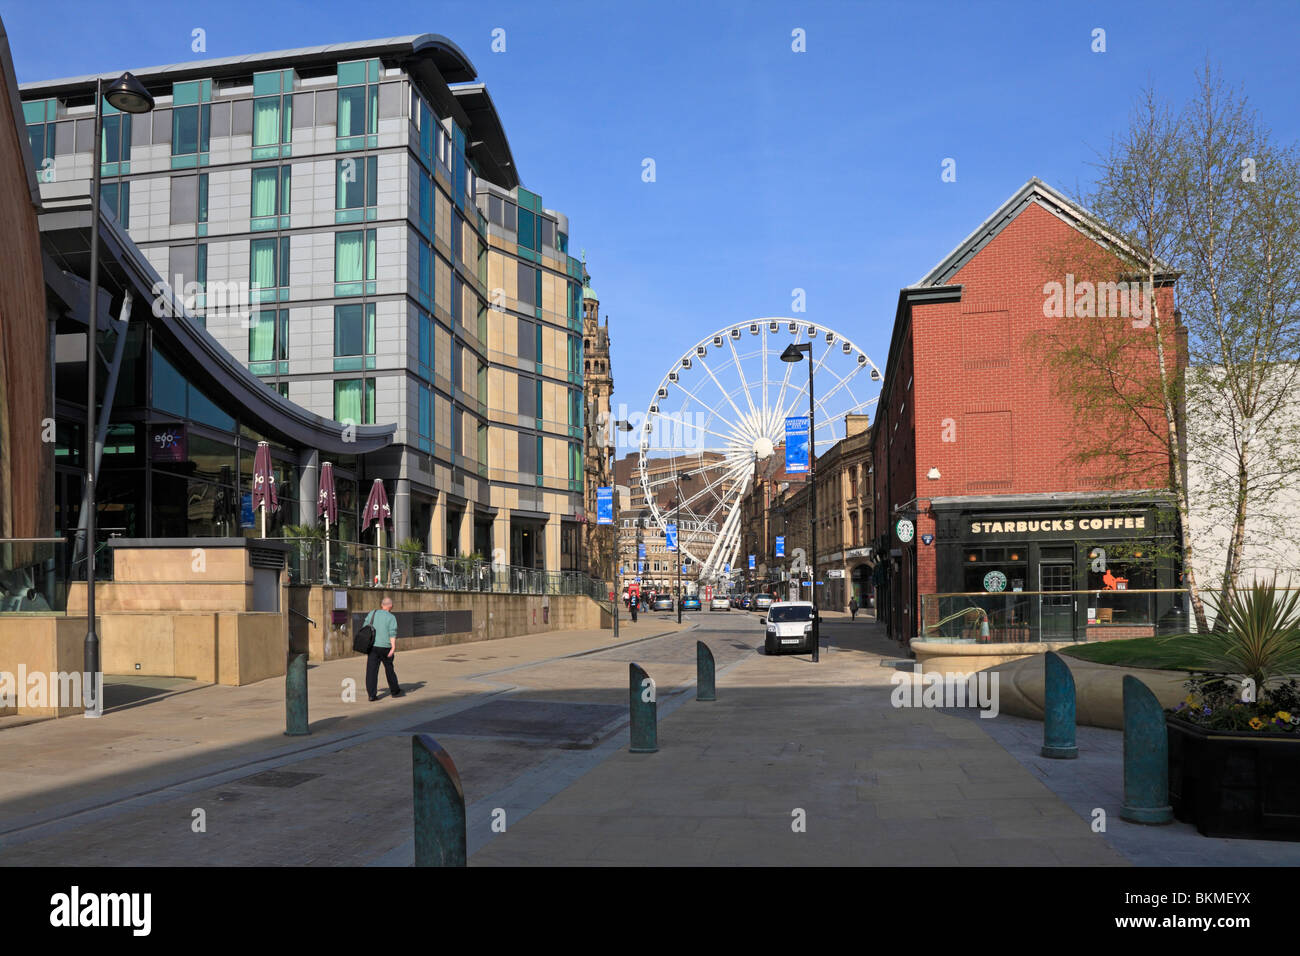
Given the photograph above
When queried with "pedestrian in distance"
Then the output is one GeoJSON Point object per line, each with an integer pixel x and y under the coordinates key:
{"type": "Point", "coordinates": [853, 608]}
{"type": "Point", "coordinates": [632, 606]}
{"type": "Point", "coordinates": [383, 651]}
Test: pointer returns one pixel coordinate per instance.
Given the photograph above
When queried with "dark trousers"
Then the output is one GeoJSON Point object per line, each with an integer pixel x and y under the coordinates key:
{"type": "Point", "coordinates": [373, 659]}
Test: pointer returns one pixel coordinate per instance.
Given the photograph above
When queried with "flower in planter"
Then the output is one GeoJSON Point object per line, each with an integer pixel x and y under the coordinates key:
{"type": "Point", "coordinates": [1256, 724]}
{"type": "Point", "coordinates": [1283, 716]}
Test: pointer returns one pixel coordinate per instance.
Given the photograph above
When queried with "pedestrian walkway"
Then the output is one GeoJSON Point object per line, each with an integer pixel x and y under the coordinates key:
{"type": "Point", "coordinates": [55, 770]}
{"type": "Point", "coordinates": [789, 742]}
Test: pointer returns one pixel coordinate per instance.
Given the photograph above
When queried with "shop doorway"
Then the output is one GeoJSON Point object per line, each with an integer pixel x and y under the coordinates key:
{"type": "Point", "coordinates": [1056, 610]}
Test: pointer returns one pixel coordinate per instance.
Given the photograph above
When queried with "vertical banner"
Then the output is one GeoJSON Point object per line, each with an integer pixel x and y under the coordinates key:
{"type": "Point", "coordinates": [780, 546]}
{"type": "Point", "coordinates": [605, 505]}
{"type": "Point", "coordinates": [670, 536]}
{"type": "Point", "coordinates": [796, 445]}
{"type": "Point", "coordinates": [751, 562]}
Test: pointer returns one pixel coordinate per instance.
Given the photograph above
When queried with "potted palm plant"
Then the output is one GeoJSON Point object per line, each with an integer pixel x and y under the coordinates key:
{"type": "Point", "coordinates": [1234, 742]}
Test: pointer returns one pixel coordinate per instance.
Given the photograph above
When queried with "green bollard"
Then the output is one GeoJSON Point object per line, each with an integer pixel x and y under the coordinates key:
{"type": "Point", "coordinates": [643, 710]}
{"type": "Point", "coordinates": [439, 805]}
{"type": "Point", "coordinates": [1058, 709]}
{"type": "Point", "coordinates": [1146, 757]}
{"type": "Point", "coordinates": [705, 673]}
{"type": "Point", "coordinates": [295, 697]}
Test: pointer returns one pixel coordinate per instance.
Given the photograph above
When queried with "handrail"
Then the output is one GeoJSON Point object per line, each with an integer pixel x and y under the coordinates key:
{"type": "Point", "coordinates": [294, 610]}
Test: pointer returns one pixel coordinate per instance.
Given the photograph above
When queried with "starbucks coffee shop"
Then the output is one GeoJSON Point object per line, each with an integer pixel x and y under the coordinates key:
{"type": "Point", "coordinates": [1058, 567]}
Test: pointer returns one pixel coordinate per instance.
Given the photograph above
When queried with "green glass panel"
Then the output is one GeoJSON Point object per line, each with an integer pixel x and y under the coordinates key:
{"type": "Point", "coordinates": [352, 74]}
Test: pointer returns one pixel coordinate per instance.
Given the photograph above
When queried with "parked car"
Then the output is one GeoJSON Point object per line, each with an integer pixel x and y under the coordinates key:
{"type": "Point", "coordinates": [762, 602]}
{"type": "Point", "coordinates": [789, 628]}
{"type": "Point", "coordinates": [745, 602]}
{"type": "Point", "coordinates": [720, 603]}
{"type": "Point", "coordinates": [691, 602]}
{"type": "Point", "coordinates": [663, 602]}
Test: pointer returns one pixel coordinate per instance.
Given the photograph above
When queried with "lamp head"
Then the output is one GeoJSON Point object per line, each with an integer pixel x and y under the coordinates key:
{"type": "Point", "coordinates": [128, 95]}
{"type": "Point", "coordinates": [792, 353]}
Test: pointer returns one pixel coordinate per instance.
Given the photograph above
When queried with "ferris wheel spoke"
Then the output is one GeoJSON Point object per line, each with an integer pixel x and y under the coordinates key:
{"type": "Point", "coordinates": [685, 424]}
{"type": "Point", "coordinates": [740, 371]}
{"type": "Point", "coordinates": [705, 365]}
{"type": "Point", "coordinates": [694, 395]}
{"type": "Point", "coordinates": [730, 473]}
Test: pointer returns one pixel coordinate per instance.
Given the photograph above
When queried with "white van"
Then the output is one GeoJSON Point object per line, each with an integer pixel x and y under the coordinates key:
{"type": "Point", "coordinates": [789, 627]}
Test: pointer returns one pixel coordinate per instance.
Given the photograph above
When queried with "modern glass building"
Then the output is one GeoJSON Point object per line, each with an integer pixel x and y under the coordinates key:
{"type": "Point", "coordinates": [347, 222]}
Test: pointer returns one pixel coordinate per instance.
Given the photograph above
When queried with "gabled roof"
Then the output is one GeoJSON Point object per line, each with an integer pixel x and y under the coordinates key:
{"type": "Point", "coordinates": [1034, 192]}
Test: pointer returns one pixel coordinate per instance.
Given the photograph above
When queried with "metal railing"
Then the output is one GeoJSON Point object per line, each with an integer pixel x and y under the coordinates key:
{"type": "Point", "coordinates": [352, 564]}
{"type": "Point", "coordinates": [1015, 617]}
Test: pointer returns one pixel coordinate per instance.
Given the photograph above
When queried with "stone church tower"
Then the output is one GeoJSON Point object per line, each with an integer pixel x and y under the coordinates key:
{"type": "Point", "coordinates": [598, 448]}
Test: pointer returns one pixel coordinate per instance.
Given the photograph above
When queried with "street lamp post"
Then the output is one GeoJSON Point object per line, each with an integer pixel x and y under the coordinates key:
{"type": "Point", "coordinates": [127, 95]}
{"type": "Point", "coordinates": [794, 353]}
{"type": "Point", "coordinates": [677, 552]}
{"type": "Point", "coordinates": [623, 426]}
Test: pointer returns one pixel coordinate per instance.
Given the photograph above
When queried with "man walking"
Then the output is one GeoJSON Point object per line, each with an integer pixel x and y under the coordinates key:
{"type": "Point", "coordinates": [853, 608]}
{"type": "Point", "coordinates": [384, 649]}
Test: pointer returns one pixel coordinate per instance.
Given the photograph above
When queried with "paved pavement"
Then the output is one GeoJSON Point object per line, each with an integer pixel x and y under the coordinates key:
{"type": "Point", "coordinates": [795, 763]}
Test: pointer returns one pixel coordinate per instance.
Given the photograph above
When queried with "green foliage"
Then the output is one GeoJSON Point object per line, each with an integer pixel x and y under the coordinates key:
{"type": "Point", "coordinates": [316, 531]}
{"type": "Point", "coordinates": [411, 548]}
{"type": "Point", "coordinates": [1214, 703]}
{"type": "Point", "coordinates": [1256, 635]}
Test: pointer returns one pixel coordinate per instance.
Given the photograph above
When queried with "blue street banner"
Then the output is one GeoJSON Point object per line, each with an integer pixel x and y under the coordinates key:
{"type": "Point", "coordinates": [751, 562]}
{"type": "Point", "coordinates": [605, 505]}
{"type": "Point", "coordinates": [640, 550]}
{"type": "Point", "coordinates": [780, 546]}
{"type": "Point", "coordinates": [670, 536]}
{"type": "Point", "coordinates": [726, 569]}
{"type": "Point", "coordinates": [796, 445]}
{"type": "Point", "coordinates": [246, 511]}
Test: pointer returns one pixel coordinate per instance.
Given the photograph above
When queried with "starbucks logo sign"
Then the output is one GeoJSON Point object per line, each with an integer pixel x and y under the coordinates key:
{"type": "Point", "coordinates": [905, 530]}
{"type": "Point", "coordinates": [995, 581]}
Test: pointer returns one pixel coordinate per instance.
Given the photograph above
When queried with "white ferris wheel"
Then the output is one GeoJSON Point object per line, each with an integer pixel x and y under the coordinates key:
{"type": "Point", "coordinates": [721, 410]}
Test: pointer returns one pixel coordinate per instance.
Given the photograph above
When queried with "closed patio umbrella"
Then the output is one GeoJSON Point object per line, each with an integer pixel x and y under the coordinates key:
{"type": "Point", "coordinates": [377, 510]}
{"type": "Point", "coordinates": [327, 506]}
{"type": "Point", "coordinates": [264, 495]}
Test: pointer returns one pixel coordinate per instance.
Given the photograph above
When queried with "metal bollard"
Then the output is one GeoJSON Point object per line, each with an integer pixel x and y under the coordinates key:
{"type": "Point", "coordinates": [1058, 709]}
{"type": "Point", "coordinates": [1146, 757]}
{"type": "Point", "coordinates": [643, 710]}
{"type": "Point", "coordinates": [705, 673]}
{"type": "Point", "coordinates": [439, 805]}
{"type": "Point", "coordinates": [295, 696]}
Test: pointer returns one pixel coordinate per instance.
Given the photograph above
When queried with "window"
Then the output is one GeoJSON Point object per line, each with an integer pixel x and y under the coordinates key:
{"type": "Point", "coordinates": [282, 388]}
{"type": "Point", "coordinates": [354, 330]}
{"type": "Point", "coordinates": [117, 198]}
{"type": "Point", "coordinates": [425, 418]}
{"type": "Point", "coordinates": [272, 113]}
{"type": "Point", "coordinates": [39, 116]}
{"type": "Point", "coordinates": [268, 342]}
{"type": "Point", "coordinates": [575, 466]}
{"type": "Point", "coordinates": [482, 449]}
{"type": "Point", "coordinates": [425, 212]}
{"type": "Point", "coordinates": [191, 123]}
{"type": "Point", "coordinates": [356, 184]}
{"type": "Point", "coordinates": [268, 269]}
{"type": "Point", "coordinates": [354, 262]}
{"type": "Point", "coordinates": [425, 336]}
{"type": "Point", "coordinates": [527, 229]}
{"type": "Point", "coordinates": [115, 144]}
{"type": "Point", "coordinates": [269, 205]}
{"type": "Point", "coordinates": [354, 400]}
{"type": "Point", "coordinates": [358, 104]}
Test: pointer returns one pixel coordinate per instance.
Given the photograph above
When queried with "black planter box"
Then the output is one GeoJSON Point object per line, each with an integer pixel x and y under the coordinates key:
{"type": "Point", "coordinates": [1234, 783]}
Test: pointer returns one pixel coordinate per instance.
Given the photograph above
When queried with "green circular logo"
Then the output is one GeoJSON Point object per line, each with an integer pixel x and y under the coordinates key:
{"type": "Point", "coordinates": [905, 530]}
{"type": "Point", "coordinates": [995, 581]}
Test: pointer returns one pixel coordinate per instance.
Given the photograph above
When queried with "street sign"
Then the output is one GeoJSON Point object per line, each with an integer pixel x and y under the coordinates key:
{"type": "Point", "coordinates": [780, 546]}
{"type": "Point", "coordinates": [835, 573]}
{"type": "Point", "coordinates": [927, 539]}
{"type": "Point", "coordinates": [670, 536]}
{"type": "Point", "coordinates": [796, 445]}
{"type": "Point", "coordinates": [605, 505]}
{"type": "Point", "coordinates": [905, 530]}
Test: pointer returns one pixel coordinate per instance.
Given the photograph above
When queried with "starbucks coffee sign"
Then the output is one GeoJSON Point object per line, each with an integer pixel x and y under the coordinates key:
{"type": "Point", "coordinates": [905, 530]}
{"type": "Point", "coordinates": [995, 581]}
{"type": "Point", "coordinates": [1114, 523]}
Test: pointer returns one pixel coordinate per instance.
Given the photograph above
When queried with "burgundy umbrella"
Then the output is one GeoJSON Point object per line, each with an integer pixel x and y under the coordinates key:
{"type": "Point", "coordinates": [327, 504]}
{"type": "Point", "coordinates": [264, 495]}
{"type": "Point", "coordinates": [377, 511]}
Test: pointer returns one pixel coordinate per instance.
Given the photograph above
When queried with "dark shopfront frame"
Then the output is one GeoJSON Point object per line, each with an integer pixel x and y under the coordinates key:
{"type": "Point", "coordinates": [1073, 531]}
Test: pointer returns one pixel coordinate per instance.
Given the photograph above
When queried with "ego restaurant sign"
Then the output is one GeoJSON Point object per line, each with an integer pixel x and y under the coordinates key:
{"type": "Point", "coordinates": [1118, 523]}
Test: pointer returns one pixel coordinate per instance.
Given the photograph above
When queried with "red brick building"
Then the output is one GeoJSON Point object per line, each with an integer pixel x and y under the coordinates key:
{"type": "Point", "coordinates": [974, 448]}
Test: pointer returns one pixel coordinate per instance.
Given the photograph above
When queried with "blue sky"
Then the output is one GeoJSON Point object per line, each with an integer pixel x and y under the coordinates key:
{"type": "Point", "coordinates": [775, 170]}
